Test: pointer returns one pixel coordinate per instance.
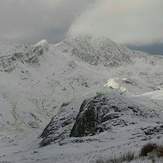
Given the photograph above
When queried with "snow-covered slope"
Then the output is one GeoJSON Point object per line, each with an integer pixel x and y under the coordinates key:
{"type": "Point", "coordinates": [38, 81]}
{"type": "Point", "coordinates": [97, 50]}
{"type": "Point", "coordinates": [155, 95]}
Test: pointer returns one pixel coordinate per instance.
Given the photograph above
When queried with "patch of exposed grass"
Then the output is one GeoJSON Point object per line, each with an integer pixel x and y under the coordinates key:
{"type": "Point", "coordinates": [152, 150]}
{"type": "Point", "coordinates": [127, 157]}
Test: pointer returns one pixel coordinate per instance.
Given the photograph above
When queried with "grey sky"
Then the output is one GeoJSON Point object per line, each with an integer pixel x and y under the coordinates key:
{"type": "Point", "coordinates": [30, 20]}
{"type": "Point", "coordinates": [131, 22]}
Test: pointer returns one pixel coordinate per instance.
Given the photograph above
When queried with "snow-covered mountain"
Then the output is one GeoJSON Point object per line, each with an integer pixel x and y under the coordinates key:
{"type": "Point", "coordinates": [42, 80]}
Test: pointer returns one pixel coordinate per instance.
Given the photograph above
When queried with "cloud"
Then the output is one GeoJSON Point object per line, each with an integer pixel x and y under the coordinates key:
{"type": "Point", "coordinates": [30, 20]}
{"type": "Point", "coordinates": [124, 21]}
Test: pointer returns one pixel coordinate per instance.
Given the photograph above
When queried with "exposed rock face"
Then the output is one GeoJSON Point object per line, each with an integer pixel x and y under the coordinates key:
{"type": "Point", "coordinates": [98, 114]}
{"type": "Point", "coordinates": [29, 54]}
{"type": "Point", "coordinates": [58, 128]}
{"type": "Point", "coordinates": [101, 113]}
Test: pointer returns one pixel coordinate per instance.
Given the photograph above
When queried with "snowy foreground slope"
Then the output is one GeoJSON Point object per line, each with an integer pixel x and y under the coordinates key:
{"type": "Point", "coordinates": [42, 80]}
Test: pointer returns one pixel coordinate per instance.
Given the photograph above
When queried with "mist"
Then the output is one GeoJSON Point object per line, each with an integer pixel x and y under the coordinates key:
{"type": "Point", "coordinates": [136, 23]}
{"type": "Point", "coordinates": [24, 20]}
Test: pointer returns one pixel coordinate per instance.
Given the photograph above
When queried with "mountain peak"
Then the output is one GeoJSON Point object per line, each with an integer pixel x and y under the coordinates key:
{"type": "Point", "coordinates": [97, 50]}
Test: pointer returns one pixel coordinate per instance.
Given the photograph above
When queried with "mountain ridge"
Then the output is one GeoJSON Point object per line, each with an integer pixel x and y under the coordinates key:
{"type": "Point", "coordinates": [60, 79]}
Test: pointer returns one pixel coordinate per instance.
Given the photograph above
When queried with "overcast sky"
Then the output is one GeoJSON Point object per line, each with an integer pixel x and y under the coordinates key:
{"type": "Point", "coordinates": [134, 22]}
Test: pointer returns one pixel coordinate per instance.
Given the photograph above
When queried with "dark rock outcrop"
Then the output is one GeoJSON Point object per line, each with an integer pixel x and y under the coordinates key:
{"type": "Point", "coordinates": [101, 113]}
{"type": "Point", "coordinates": [58, 128]}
